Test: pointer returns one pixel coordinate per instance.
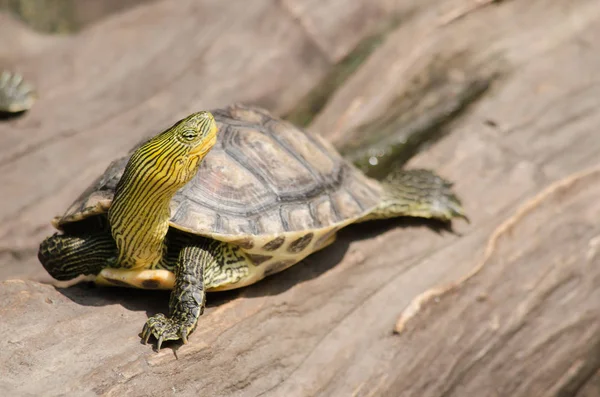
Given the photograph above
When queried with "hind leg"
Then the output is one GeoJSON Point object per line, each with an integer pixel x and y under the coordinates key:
{"type": "Point", "coordinates": [418, 193]}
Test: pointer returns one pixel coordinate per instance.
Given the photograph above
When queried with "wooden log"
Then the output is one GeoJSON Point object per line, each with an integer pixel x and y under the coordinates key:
{"type": "Point", "coordinates": [525, 161]}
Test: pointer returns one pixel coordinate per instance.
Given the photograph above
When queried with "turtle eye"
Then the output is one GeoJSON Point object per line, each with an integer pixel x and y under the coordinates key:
{"type": "Point", "coordinates": [189, 135]}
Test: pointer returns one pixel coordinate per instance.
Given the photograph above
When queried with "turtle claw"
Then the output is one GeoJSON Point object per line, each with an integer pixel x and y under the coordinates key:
{"type": "Point", "coordinates": [145, 335]}
{"type": "Point", "coordinates": [165, 328]}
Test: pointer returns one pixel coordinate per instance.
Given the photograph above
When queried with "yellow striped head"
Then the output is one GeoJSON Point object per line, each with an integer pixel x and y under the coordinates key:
{"type": "Point", "coordinates": [171, 158]}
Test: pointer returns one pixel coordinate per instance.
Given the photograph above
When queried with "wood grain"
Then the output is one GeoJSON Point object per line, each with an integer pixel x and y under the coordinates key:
{"type": "Point", "coordinates": [525, 158]}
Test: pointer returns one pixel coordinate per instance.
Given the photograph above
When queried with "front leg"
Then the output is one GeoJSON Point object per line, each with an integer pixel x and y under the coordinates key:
{"type": "Point", "coordinates": [188, 296]}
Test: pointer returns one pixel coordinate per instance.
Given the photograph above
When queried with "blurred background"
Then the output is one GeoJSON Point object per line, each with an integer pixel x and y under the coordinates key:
{"type": "Point", "coordinates": [500, 97]}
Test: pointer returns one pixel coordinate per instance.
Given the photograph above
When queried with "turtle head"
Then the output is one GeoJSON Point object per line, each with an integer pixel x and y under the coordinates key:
{"type": "Point", "coordinates": [171, 158]}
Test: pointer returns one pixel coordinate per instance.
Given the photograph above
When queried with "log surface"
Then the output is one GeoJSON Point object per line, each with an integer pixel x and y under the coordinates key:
{"type": "Point", "coordinates": [508, 305]}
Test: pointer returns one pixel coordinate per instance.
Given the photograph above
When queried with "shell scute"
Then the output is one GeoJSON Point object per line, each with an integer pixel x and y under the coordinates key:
{"type": "Point", "coordinates": [16, 94]}
{"type": "Point", "coordinates": [301, 243]}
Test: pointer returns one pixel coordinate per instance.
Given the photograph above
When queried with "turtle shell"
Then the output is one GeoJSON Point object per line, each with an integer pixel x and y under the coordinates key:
{"type": "Point", "coordinates": [16, 95]}
{"type": "Point", "coordinates": [264, 185]}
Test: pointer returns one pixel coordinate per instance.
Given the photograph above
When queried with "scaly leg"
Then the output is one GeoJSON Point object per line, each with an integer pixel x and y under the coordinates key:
{"type": "Point", "coordinates": [187, 298]}
{"type": "Point", "coordinates": [202, 264]}
{"type": "Point", "coordinates": [418, 193]}
{"type": "Point", "coordinates": [66, 256]}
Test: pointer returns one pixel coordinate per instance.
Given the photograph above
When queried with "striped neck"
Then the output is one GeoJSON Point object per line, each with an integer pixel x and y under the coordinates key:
{"type": "Point", "coordinates": [139, 220]}
{"type": "Point", "coordinates": [139, 215]}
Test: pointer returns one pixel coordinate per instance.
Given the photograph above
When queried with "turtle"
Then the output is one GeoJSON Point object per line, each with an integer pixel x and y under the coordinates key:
{"type": "Point", "coordinates": [16, 94]}
{"type": "Point", "coordinates": [193, 210]}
